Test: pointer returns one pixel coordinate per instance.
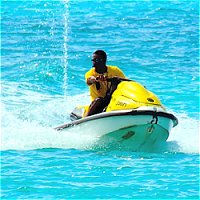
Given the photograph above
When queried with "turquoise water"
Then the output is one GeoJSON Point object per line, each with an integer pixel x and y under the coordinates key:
{"type": "Point", "coordinates": [46, 48]}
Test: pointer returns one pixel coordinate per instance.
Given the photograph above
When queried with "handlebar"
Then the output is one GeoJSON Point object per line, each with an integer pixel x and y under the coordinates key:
{"type": "Point", "coordinates": [115, 78]}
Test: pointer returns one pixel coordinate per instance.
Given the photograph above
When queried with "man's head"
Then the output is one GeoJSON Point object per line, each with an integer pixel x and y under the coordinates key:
{"type": "Point", "coordinates": [99, 61]}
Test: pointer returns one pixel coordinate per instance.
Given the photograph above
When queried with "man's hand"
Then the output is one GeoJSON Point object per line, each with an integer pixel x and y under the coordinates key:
{"type": "Point", "coordinates": [91, 80]}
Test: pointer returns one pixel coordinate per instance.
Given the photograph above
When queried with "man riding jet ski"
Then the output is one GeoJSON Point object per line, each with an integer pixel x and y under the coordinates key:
{"type": "Point", "coordinates": [134, 118]}
{"type": "Point", "coordinates": [126, 115]}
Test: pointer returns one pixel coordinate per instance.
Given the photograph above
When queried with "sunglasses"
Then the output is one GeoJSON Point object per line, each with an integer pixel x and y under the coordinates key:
{"type": "Point", "coordinates": [96, 60]}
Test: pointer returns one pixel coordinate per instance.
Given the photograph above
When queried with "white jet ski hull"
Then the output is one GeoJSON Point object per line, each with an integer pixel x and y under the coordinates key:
{"type": "Point", "coordinates": [135, 130]}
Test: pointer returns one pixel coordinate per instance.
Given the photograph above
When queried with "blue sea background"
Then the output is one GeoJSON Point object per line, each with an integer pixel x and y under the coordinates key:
{"type": "Point", "coordinates": [46, 48]}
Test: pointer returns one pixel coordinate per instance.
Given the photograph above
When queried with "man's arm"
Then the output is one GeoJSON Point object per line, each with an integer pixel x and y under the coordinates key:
{"type": "Point", "coordinates": [89, 77]}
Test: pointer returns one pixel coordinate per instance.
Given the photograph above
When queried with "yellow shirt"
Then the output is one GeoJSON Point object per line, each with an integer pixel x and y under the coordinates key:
{"type": "Point", "coordinates": [104, 85]}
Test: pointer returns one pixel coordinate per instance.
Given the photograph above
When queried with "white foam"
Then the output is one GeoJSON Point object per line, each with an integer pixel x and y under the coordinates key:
{"type": "Point", "coordinates": [31, 126]}
{"type": "Point", "coordinates": [32, 136]}
{"type": "Point", "coordinates": [185, 135]}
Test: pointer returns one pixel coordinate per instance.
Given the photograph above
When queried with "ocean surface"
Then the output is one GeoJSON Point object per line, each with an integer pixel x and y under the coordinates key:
{"type": "Point", "coordinates": [46, 48]}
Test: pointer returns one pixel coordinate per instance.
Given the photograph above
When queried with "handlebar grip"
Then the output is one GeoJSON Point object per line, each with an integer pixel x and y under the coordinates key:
{"type": "Point", "coordinates": [117, 78]}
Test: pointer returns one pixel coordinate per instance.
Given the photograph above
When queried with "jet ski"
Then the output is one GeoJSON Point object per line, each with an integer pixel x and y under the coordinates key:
{"type": "Point", "coordinates": [134, 119]}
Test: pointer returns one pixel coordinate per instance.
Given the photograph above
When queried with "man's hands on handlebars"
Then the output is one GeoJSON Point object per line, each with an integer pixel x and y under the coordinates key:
{"type": "Point", "coordinates": [93, 79]}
